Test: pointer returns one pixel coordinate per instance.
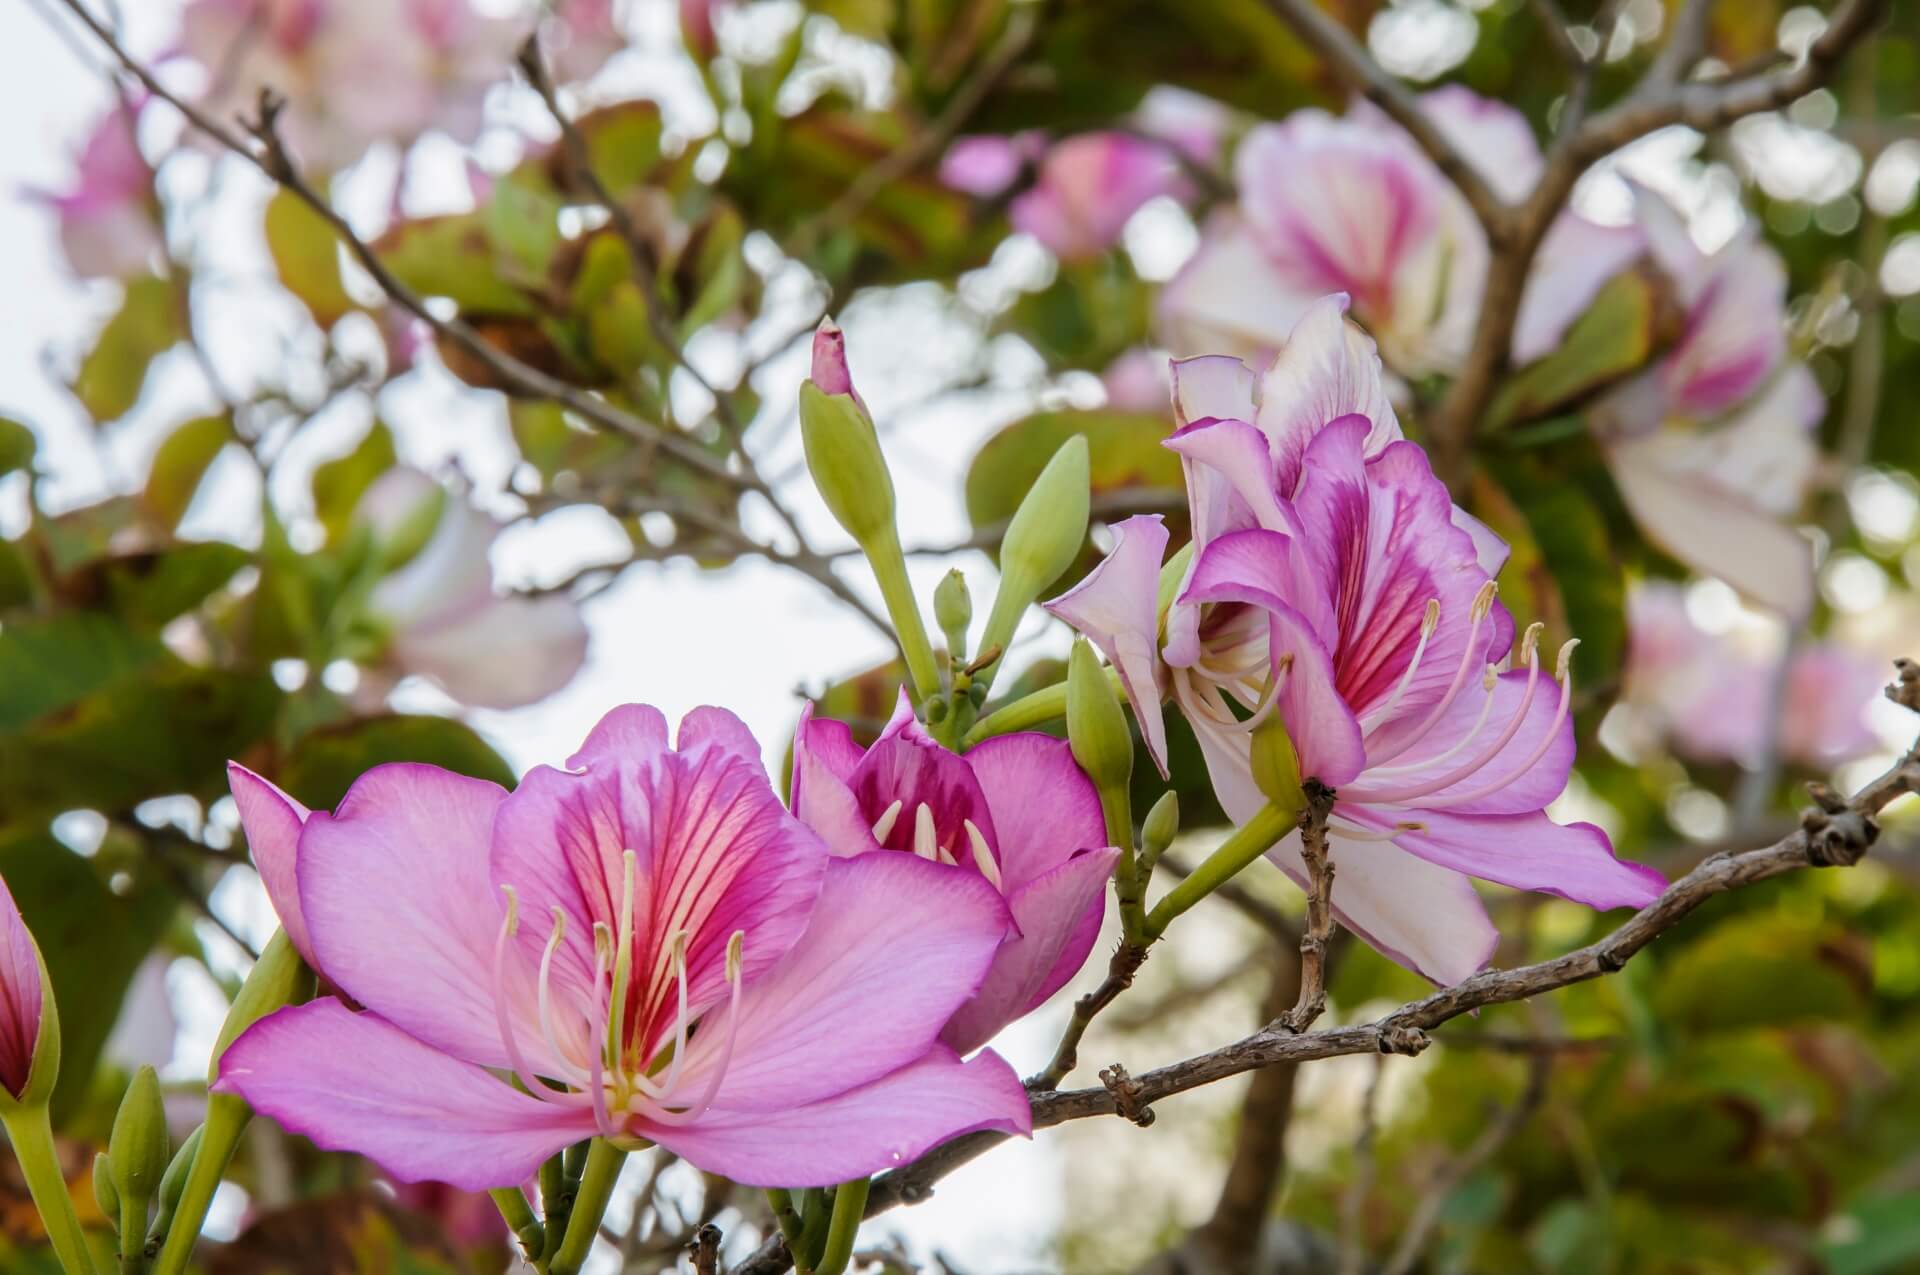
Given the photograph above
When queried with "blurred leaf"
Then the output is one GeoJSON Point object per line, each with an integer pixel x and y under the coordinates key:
{"type": "Point", "coordinates": [552, 444]}
{"type": "Point", "coordinates": [339, 483]}
{"type": "Point", "coordinates": [1088, 316]}
{"type": "Point", "coordinates": [359, 1231]}
{"type": "Point", "coordinates": [49, 664]}
{"type": "Point", "coordinates": [868, 19]}
{"type": "Point", "coordinates": [73, 539]}
{"type": "Point", "coordinates": [179, 464]}
{"type": "Point", "coordinates": [306, 252]}
{"type": "Point", "coordinates": [147, 324]}
{"type": "Point", "coordinates": [621, 339]}
{"type": "Point", "coordinates": [1628, 321]}
{"type": "Point", "coordinates": [1874, 1235]}
{"type": "Point", "coordinates": [92, 935]}
{"type": "Point", "coordinates": [1763, 968]}
{"type": "Point", "coordinates": [623, 144]}
{"type": "Point", "coordinates": [452, 256]}
{"type": "Point", "coordinates": [523, 222]}
{"type": "Point", "coordinates": [17, 446]}
{"type": "Point", "coordinates": [148, 590]}
{"type": "Point", "coordinates": [711, 274]}
{"type": "Point", "coordinates": [19, 582]}
{"type": "Point", "coordinates": [325, 763]}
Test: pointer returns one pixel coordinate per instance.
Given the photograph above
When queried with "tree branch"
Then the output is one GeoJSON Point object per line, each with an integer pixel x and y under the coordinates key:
{"type": "Point", "coordinates": [1316, 853]}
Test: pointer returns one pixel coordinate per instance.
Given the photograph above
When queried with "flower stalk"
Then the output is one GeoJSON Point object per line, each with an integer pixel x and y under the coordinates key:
{"type": "Point", "coordinates": [849, 1209]}
{"type": "Point", "coordinates": [30, 1130]}
{"type": "Point", "coordinates": [1248, 842]}
{"type": "Point", "coordinates": [604, 1162]}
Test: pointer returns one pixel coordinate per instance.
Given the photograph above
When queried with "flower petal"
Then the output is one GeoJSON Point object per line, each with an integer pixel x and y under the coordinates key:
{"type": "Point", "coordinates": [909, 766]}
{"type": "Point", "coordinates": [1212, 386]}
{"type": "Point", "coordinates": [1117, 608]}
{"type": "Point", "coordinates": [499, 653]}
{"type": "Point", "coordinates": [1230, 297]}
{"type": "Point", "coordinates": [399, 908]}
{"type": "Point", "coordinates": [22, 1002]}
{"type": "Point", "coordinates": [1576, 259]}
{"type": "Point", "coordinates": [895, 945]}
{"type": "Point", "coordinates": [1417, 914]}
{"type": "Point", "coordinates": [1045, 810]}
{"type": "Point", "coordinates": [272, 821]}
{"type": "Point", "coordinates": [824, 757]}
{"type": "Point", "coordinates": [1438, 752]}
{"type": "Point", "coordinates": [1329, 369]}
{"type": "Point", "coordinates": [355, 1082]}
{"type": "Point", "coordinates": [1237, 452]}
{"type": "Point", "coordinates": [1526, 851]}
{"type": "Point", "coordinates": [1058, 917]}
{"type": "Point", "coordinates": [860, 1131]}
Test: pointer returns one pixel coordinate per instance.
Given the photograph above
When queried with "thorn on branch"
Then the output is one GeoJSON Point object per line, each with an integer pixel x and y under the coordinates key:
{"type": "Point", "coordinates": [1127, 1099]}
{"type": "Point", "coordinates": [1905, 689]}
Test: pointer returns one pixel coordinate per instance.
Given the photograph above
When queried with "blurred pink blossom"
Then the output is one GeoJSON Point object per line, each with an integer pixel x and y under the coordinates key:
{"type": "Point", "coordinates": [1138, 381]}
{"type": "Point", "coordinates": [1089, 187]}
{"type": "Point", "coordinates": [987, 164]}
{"type": "Point", "coordinates": [109, 220]}
{"type": "Point", "coordinates": [581, 37]}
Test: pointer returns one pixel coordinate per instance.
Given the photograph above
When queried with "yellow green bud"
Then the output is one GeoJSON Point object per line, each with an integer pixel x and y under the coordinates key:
{"type": "Point", "coordinates": [138, 1148]}
{"type": "Point", "coordinates": [174, 1184]}
{"type": "Point", "coordinates": [844, 457]}
{"type": "Point", "coordinates": [953, 611]}
{"type": "Point", "coordinates": [103, 1192]}
{"type": "Point", "coordinates": [1161, 827]}
{"type": "Point", "coordinates": [1096, 724]}
{"type": "Point", "coordinates": [1276, 766]}
{"type": "Point", "coordinates": [1043, 539]}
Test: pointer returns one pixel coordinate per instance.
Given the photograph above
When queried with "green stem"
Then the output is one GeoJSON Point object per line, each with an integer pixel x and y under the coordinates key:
{"type": "Point", "coordinates": [553, 1193]}
{"type": "Point", "coordinates": [31, 1133]}
{"type": "Point", "coordinates": [1129, 882]}
{"type": "Point", "coordinates": [813, 1233]}
{"type": "Point", "coordinates": [604, 1161]}
{"type": "Point", "coordinates": [1248, 842]}
{"type": "Point", "coordinates": [133, 1236]}
{"type": "Point", "coordinates": [786, 1215]}
{"type": "Point", "coordinates": [1048, 704]}
{"type": "Point", "coordinates": [227, 1118]}
{"type": "Point", "coordinates": [518, 1215]}
{"type": "Point", "coordinates": [849, 1209]}
{"type": "Point", "coordinates": [890, 569]}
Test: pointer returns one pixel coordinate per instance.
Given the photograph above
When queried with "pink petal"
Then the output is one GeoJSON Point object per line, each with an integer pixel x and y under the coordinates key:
{"type": "Point", "coordinates": [1417, 914]}
{"type": "Point", "coordinates": [1525, 851]}
{"type": "Point", "coordinates": [399, 908]}
{"type": "Point", "coordinates": [1435, 755]}
{"type": "Point", "coordinates": [983, 165]}
{"type": "Point", "coordinates": [272, 821]}
{"type": "Point", "coordinates": [895, 945]}
{"type": "Point", "coordinates": [21, 997]}
{"type": "Point", "coordinates": [1058, 916]}
{"type": "Point", "coordinates": [1238, 453]}
{"type": "Point", "coordinates": [503, 653]}
{"type": "Point", "coordinates": [1495, 138]}
{"type": "Point", "coordinates": [909, 766]}
{"type": "Point", "coordinates": [355, 1082]}
{"type": "Point", "coordinates": [1212, 387]}
{"type": "Point", "coordinates": [1736, 332]}
{"type": "Point", "coordinates": [859, 1131]}
{"type": "Point", "coordinates": [824, 758]}
{"type": "Point", "coordinates": [1328, 370]}
{"type": "Point", "coordinates": [1045, 810]}
{"type": "Point", "coordinates": [1577, 258]}
{"type": "Point", "coordinates": [1117, 608]}
{"type": "Point", "coordinates": [1230, 297]}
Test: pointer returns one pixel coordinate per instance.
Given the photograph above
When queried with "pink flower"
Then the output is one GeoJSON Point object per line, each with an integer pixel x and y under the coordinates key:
{"type": "Point", "coordinates": [1351, 205]}
{"type": "Point", "coordinates": [1015, 812]}
{"type": "Point", "coordinates": [1335, 585]}
{"type": "Point", "coordinates": [468, 1218]}
{"type": "Point", "coordinates": [109, 222]}
{"type": "Point", "coordinates": [23, 1002]}
{"type": "Point", "coordinates": [1089, 187]}
{"type": "Point", "coordinates": [653, 946]}
{"type": "Point", "coordinates": [446, 621]}
{"type": "Point", "coordinates": [696, 28]}
{"type": "Point", "coordinates": [987, 165]}
{"type": "Point", "coordinates": [583, 36]}
{"type": "Point", "coordinates": [1137, 382]}
{"type": "Point", "coordinates": [1196, 125]}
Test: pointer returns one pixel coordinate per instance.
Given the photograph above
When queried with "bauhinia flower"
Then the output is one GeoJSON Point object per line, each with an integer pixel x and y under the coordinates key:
{"type": "Point", "coordinates": [1350, 204]}
{"type": "Point", "coordinates": [439, 606]}
{"type": "Point", "coordinates": [1015, 812]}
{"type": "Point", "coordinates": [1336, 588]}
{"type": "Point", "coordinates": [652, 946]}
{"type": "Point", "coordinates": [109, 220]}
{"type": "Point", "coordinates": [29, 1033]}
{"type": "Point", "coordinates": [1712, 446]}
{"type": "Point", "coordinates": [1085, 190]}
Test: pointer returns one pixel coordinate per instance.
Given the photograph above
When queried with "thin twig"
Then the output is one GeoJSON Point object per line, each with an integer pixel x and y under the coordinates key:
{"type": "Point", "coordinates": [1316, 853]}
{"type": "Point", "coordinates": [1684, 46]}
{"type": "Point", "coordinates": [1121, 968]}
{"type": "Point", "coordinates": [705, 1250]}
{"type": "Point", "coordinates": [1559, 34]}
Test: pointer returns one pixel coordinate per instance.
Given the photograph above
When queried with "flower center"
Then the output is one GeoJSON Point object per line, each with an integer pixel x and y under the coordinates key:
{"type": "Point", "coordinates": [927, 844]}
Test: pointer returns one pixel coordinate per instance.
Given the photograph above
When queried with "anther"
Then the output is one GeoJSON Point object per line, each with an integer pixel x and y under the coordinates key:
{"type": "Point", "coordinates": [1530, 642]}
{"type": "Point", "coordinates": [1563, 667]}
{"type": "Point", "coordinates": [736, 954]}
{"type": "Point", "coordinates": [924, 844]}
{"type": "Point", "coordinates": [982, 856]}
{"type": "Point", "coordinates": [1431, 620]}
{"type": "Point", "coordinates": [883, 826]}
{"type": "Point", "coordinates": [1483, 600]}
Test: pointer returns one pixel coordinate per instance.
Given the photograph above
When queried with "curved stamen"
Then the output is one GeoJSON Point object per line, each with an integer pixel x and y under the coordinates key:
{"type": "Point", "coordinates": [509, 1040]}
{"type": "Point", "coordinates": [982, 853]}
{"type": "Point", "coordinates": [1352, 832]}
{"type": "Point", "coordinates": [1482, 605]}
{"type": "Point", "coordinates": [1269, 698]}
{"type": "Point", "coordinates": [1428, 623]}
{"type": "Point", "coordinates": [1563, 673]}
{"type": "Point", "coordinates": [736, 948]}
{"type": "Point", "coordinates": [678, 944]}
{"type": "Point", "coordinates": [547, 1031]}
{"type": "Point", "coordinates": [596, 1074]}
{"type": "Point", "coordinates": [1489, 679]}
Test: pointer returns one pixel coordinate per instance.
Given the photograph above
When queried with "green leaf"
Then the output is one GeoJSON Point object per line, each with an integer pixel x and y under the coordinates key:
{"type": "Point", "coordinates": [1088, 316]}
{"type": "Point", "coordinates": [339, 483]}
{"type": "Point", "coordinates": [306, 252]}
{"type": "Point", "coordinates": [453, 257]}
{"type": "Point", "coordinates": [553, 444]}
{"type": "Point", "coordinates": [1763, 968]}
{"type": "Point", "coordinates": [325, 763]}
{"type": "Point", "coordinates": [150, 320]}
{"type": "Point", "coordinates": [47, 665]}
{"type": "Point", "coordinates": [93, 937]}
{"type": "Point", "coordinates": [1877, 1234]}
{"type": "Point", "coordinates": [1623, 328]}
{"type": "Point", "coordinates": [523, 221]}
{"type": "Point", "coordinates": [80, 536]}
{"type": "Point", "coordinates": [179, 464]}
{"type": "Point", "coordinates": [623, 143]}
{"type": "Point", "coordinates": [618, 329]}
{"type": "Point", "coordinates": [17, 446]}
{"type": "Point", "coordinates": [149, 589]}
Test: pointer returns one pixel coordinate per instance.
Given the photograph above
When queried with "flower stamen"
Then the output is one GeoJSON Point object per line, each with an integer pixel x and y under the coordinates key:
{"type": "Point", "coordinates": [883, 826]}
{"type": "Point", "coordinates": [982, 854]}
{"type": "Point", "coordinates": [924, 843]}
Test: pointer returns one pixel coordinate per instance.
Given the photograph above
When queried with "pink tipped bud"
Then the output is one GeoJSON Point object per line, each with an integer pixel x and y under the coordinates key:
{"type": "Point", "coordinates": [830, 361]}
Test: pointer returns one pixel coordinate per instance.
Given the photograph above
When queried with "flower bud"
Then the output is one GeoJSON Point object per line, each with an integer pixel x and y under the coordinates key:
{"type": "Point", "coordinates": [1043, 539]}
{"type": "Point", "coordinates": [1276, 766]}
{"type": "Point", "coordinates": [1161, 827]}
{"type": "Point", "coordinates": [953, 611]}
{"type": "Point", "coordinates": [29, 1020]}
{"type": "Point", "coordinates": [104, 1194]}
{"type": "Point", "coordinates": [843, 454]}
{"type": "Point", "coordinates": [138, 1146]}
{"type": "Point", "coordinates": [1096, 724]}
{"type": "Point", "coordinates": [174, 1184]}
{"type": "Point", "coordinates": [278, 979]}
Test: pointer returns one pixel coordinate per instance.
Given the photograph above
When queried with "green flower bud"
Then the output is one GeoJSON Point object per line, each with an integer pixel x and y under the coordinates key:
{"type": "Point", "coordinates": [174, 1184]}
{"type": "Point", "coordinates": [104, 1193]}
{"type": "Point", "coordinates": [1276, 766]}
{"type": "Point", "coordinates": [1096, 724]}
{"type": "Point", "coordinates": [278, 979]}
{"type": "Point", "coordinates": [138, 1145]}
{"type": "Point", "coordinates": [1161, 827]}
{"type": "Point", "coordinates": [953, 611]}
{"type": "Point", "coordinates": [844, 457]}
{"type": "Point", "coordinates": [1042, 541]}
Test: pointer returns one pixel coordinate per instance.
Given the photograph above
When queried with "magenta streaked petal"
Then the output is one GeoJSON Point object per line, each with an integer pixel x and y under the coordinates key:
{"type": "Point", "coordinates": [1058, 917]}
{"type": "Point", "coordinates": [909, 766]}
{"type": "Point", "coordinates": [1736, 333]}
{"type": "Point", "coordinates": [1525, 851]}
{"type": "Point", "coordinates": [1117, 608]}
{"type": "Point", "coordinates": [824, 757]}
{"type": "Point", "coordinates": [355, 1082]}
{"type": "Point", "coordinates": [631, 730]}
{"type": "Point", "coordinates": [1045, 809]}
{"type": "Point", "coordinates": [1238, 453]}
{"type": "Point", "coordinates": [22, 998]}
{"type": "Point", "coordinates": [1260, 568]}
{"type": "Point", "coordinates": [860, 1131]}
{"type": "Point", "coordinates": [272, 821]}
{"type": "Point", "coordinates": [895, 945]}
{"type": "Point", "coordinates": [1489, 550]}
{"type": "Point", "coordinates": [399, 907]}
{"type": "Point", "coordinates": [1417, 914]}
{"type": "Point", "coordinates": [1536, 758]}
{"type": "Point", "coordinates": [1328, 370]}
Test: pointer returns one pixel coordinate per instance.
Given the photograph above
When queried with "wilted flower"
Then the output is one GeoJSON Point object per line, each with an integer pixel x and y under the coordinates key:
{"type": "Point", "coordinates": [439, 606]}
{"type": "Point", "coordinates": [1336, 588]}
{"type": "Point", "coordinates": [1015, 811]}
{"type": "Point", "coordinates": [652, 946]}
{"type": "Point", "coordinates": [109, 221]}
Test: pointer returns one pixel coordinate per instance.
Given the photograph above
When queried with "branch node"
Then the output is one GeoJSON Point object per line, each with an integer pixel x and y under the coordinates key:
{"type": "Point", "coordinates": [1905, 690]}
{"type": "Point", "coordinates": [1609, 961]}
{"type": "Point", "coordinates": [704, 1249]}
{"type": "Point", "coordinates": [1397, 1038]}
{"type": "Point", "coordinates": [1838, 838]}
{"type": "Point", "coordinates": [1127, 1101]}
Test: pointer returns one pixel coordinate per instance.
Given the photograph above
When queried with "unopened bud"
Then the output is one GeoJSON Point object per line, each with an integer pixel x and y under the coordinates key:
{"type": "Point", "coordinates": [104, 1194]}
{"type": "Point", "coordinates": [1096, 724]}
{"type": "Point", "coordinates": [278, 979]}
{"type": "Point", "coordinates": [1276, 766]}
{"type": "Point", "coordinates": [138, 1148]}
{"type": "Point", "coordinates": [953, 611]}
{"type": "Point", "coordinates": [843, 455]}
{"type": "Point", "coordinates": [1043, 539]}
{"type": "Point", "coordinates": [1161, 827]}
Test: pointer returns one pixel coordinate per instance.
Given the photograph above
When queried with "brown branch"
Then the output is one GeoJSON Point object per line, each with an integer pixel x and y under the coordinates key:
{"type": "Point", "coordinates": [1559, 35]}
{"type": "Point", "coordinates": [1322, 33]}
{"type": "Point", "coordinates": [1684, 46]}
{"type": "Point", "coordinates": [1315, 852]}
{"type": "Point", "coordinates": [705, 1250]}
{"type": "Point", "coordinates": [1125, 963]}
{"type": "Point", "coordinates": [1835, 833]}
{"type": "Point", "coordinates": [1426, 1214]}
